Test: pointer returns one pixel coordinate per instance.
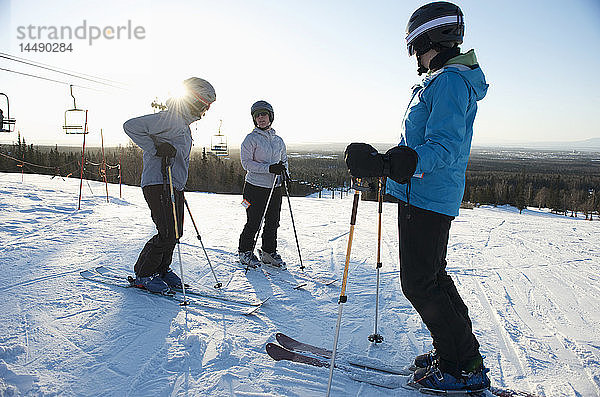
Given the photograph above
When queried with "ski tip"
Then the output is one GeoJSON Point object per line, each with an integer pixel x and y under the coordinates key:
{"type": "Point", "coordinates": [280, 336]}
{"type": "Point", "coordinates": [301, 285]}
{"type": "Point", "coordinates": [251, 312]}
{"type": "Point", "coordinates": [265, 300]}
{"type": "Point", "coordinates": [272, 350]}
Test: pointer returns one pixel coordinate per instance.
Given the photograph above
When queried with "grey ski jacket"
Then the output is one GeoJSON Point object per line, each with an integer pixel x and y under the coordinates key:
{"type": "Point", "coordinates": [259, 150]}
{"type": "Point", "coordinates": [167, 126]}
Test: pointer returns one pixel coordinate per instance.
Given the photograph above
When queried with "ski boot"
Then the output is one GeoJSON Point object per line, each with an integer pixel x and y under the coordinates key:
{"type": "Point", "coordinates": [171, 279]}
{"type": "Point", "coordinates": [423, 360]}
{"type": "Point", "coordinates": [273, 259]}
{"type": "Point", "coordinates": [153, 284]}
{"type": "Point", "coordinates": [432, 380]}
{"type": "Point", "coordinates": [248, 259]}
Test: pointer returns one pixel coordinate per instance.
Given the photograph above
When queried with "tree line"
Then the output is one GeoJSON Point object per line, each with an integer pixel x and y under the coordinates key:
{"type": "Point", "coordinates": [568, 184]}
{"type": "Point", "coordinates": [207, 172]}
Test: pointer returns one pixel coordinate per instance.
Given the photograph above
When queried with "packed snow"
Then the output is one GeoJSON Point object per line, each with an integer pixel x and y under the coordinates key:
{"type": "Point", "coordinates": [530, 280]}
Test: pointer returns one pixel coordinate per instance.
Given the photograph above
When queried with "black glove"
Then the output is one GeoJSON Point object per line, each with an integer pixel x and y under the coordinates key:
{"type": "Point", "coordinates": [400, 163]}
{"type": "Point", "coordinates": [363, 160]}
{"type": "Point", "coordinates": [277, 169]}
{"type": "Point", "coordinates": [165, 149]}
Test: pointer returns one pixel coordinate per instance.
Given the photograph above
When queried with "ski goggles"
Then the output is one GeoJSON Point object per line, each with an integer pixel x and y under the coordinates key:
{"type": "Point", "coordinates": [260, 113]}
{"type": "Point", "coordinates": [419, 46]}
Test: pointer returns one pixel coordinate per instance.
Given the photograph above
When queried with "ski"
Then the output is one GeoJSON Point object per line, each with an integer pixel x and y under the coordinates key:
{"type": "Point", "coordinates": [510, 393]}
{"type": "Point", "coordinates": [373, 364]}
{"type": "Point", "coordinates": [305, 277]}
{"type": "Point", "coordinates": [457, 393]}
{"type": "Point", "coordinates": [367, 363]}
{"type": "Point", "coordinates": [303, 274]}
{"type": "Point", "coordinates": [315, 279]}
{"type": "Point", "coordinates": [388, 381]}
{"type": "Point", "coordinates": [121, 282]}
{"type": "Point", "coordinates": [191, 291]}
{"type": "Point", "coordinates": [271, 276]}
{"type": "Point", "coordinates": [224, 297]}
{"type": "Point", "coordinates": [293, 344]}
{"type": "Point", "coordinates": [274, 272]}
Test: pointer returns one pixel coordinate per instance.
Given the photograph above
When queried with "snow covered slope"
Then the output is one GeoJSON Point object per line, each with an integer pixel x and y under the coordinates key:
{"type": "Point", "coordinates": [531, 282]}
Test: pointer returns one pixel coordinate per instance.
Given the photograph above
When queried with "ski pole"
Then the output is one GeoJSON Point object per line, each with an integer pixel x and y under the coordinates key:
{"type": "Point", "coordinates": [264, 213]}
{"type": "Point", "coordinates": [287, 193]}
{"type": "Point", "coordinates": [375, 337]}
{"type": "Point", "coordinates": [185, 302]}
{"type": "Point", "coordinates": [218, 284]}
{"type": "Point", "coordinates": [343, 298]}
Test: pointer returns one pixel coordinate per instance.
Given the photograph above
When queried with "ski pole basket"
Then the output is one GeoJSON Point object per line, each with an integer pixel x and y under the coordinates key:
{"type": "Point", "coordinates": [7, 124]}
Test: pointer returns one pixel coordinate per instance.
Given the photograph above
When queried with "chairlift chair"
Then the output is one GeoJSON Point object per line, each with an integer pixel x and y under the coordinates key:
{"type": "Point", "coordinates": [218, 143]}
{"type": "Point", "coordinates": [76, 123]}
{"type": "Point", "coordinates": [75, 119]}
{"type": "Point", "coordinates": [7, 124]}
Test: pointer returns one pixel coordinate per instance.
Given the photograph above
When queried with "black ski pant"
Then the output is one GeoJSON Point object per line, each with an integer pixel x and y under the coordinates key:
{"type": "Point", "coordinates": [157, 254]}
{"type": "Point", "coordinates": [257, 197]}
{"type": "Point", "coordinates": [423, 237]}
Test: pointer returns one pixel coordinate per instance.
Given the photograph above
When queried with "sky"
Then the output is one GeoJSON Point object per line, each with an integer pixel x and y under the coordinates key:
{"type": "Point", "coordinates": [334, 71]}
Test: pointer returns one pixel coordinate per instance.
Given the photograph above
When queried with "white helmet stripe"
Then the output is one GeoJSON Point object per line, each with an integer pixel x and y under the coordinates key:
{"type": "Point", "coordinates": [447, 20]}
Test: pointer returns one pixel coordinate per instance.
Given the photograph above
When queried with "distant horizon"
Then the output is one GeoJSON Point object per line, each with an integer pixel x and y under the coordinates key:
{"type": "Point", "coordinates": [563, 145]}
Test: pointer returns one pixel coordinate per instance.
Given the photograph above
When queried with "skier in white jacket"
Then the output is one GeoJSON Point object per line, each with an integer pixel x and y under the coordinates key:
{"type": "Point", "coordinates": [166, 139]}
{"type": "Point", "coordinates": [263, 156]}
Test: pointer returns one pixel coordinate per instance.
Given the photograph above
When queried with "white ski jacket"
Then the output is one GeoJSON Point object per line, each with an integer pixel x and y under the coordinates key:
{"type": "Point", "coordinates": [259, 150]}
{"type": "Point", "coordinates": [153, 129]}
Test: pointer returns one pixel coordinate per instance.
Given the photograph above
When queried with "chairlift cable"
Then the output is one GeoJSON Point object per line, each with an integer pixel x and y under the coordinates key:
{"type": "Point", "coordinates": [63, 69]}
{"type": "Point", "coordinates": [52, 80]}
{"type": "Point", "coordinates": [57, 70]}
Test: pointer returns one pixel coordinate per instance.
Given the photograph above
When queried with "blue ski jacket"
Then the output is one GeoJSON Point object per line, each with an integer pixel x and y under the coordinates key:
{"type": "Point", "coordinates": [438, 125]}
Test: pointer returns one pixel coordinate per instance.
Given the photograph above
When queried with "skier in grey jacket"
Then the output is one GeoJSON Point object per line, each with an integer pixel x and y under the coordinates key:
{"type": "Point", "coordinates": [166, 140]}
{"type": "Point", "coordinates": [263, 156]}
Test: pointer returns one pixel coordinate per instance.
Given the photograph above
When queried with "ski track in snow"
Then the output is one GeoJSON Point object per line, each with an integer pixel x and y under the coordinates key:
{"type": "Point", "coordinates": [530, 281]}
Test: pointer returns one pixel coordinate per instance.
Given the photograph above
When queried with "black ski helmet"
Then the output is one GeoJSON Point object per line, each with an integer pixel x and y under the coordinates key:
{"type": "Point", "coordinates": [264, 106]}
{"type": "Point", "coordinates": [438, 24]}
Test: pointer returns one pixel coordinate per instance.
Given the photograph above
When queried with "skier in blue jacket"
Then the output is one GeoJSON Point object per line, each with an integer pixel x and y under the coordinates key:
{"type": "Point", "coordinates": [426, 172]}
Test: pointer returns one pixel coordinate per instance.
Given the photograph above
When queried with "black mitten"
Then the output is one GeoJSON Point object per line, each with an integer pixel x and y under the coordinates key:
{"type": "Point", "coordinates": [363, 160]}
{"type": "Point", "coordinates": [400, 163]}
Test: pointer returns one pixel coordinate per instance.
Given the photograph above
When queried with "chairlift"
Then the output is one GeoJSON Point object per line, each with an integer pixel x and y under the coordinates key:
{"type": "Point", "coordinates": [75, 119]}
{"type": "Point", "coordinates": [7, 124]}
{"type": "Point", "coordinates": [76, 123]}
{"type": "Point", "coordinates": [218, 143]}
